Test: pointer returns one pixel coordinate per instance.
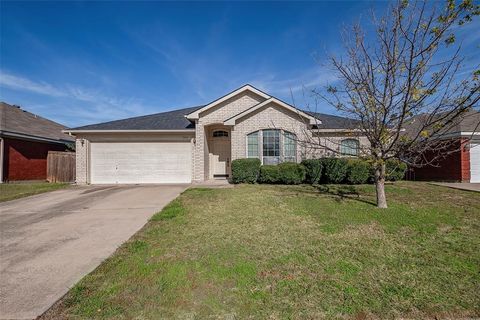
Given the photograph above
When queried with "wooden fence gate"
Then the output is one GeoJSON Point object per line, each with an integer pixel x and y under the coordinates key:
{"type": "Point", "coordinates": [60, 166]}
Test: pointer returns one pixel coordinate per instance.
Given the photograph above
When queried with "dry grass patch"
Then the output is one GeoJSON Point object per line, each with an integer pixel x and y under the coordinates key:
{"type": "Point", "coordinates": [11, 191]}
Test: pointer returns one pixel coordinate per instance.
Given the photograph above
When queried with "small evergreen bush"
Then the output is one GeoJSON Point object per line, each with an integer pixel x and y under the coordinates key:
{"type": "Point", "coordinates": [269, 174]}
{"type": "Point", "coordinates": [245, 170]}
{"type": "Point", "coordinates": [358, 171]}
{"type": "Point", "coordinates": [291, 173]}
{"type": "Point", "coordinates": [313, 169]}
{"type": "Point", "coordinates": [334, 170]}
{"type": "Point", "coordinates": [395, 170]}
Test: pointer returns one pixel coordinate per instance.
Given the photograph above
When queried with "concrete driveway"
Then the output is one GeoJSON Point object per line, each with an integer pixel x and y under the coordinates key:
{"type": "Point", "coordinates": [50, 241]}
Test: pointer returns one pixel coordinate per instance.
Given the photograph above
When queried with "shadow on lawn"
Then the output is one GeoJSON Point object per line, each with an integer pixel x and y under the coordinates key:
{"type": "Point", "coordinates": [342, 192]}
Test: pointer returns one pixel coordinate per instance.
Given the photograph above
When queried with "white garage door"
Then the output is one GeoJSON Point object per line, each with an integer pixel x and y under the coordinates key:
{"type": "Point", "coordinates": [475, 162]}
{"type": "Point", "coordinates": [140, 162]}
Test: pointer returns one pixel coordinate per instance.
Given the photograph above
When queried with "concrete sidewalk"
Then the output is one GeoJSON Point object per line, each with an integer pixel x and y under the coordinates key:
{"type": "Point", "coordinates": [50, 241]}
{"type": "Point", "coordinates": [461, 186]}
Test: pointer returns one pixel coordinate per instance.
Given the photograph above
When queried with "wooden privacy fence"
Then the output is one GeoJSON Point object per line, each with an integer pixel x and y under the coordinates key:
{"type": "Point", "coordinates": [60, 166]}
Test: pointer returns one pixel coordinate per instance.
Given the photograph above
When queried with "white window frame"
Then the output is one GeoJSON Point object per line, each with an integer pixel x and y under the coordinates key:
{"type": "Point", "coordinates": [259, 149]}
{"type": "Point", "coordinates": [293, 139]}
{"type": "Point", "coordinates": [357, 149]}
{"type": "Point", "coordinates": [276, 159]}
{"type": "Point", "coordinates": [281, 145]}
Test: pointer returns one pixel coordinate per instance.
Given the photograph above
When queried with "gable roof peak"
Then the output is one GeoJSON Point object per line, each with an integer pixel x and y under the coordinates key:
{"type": "Point", "coordinates": [246, 87]}
{"type": "Point", "coordinates": [312, 120]}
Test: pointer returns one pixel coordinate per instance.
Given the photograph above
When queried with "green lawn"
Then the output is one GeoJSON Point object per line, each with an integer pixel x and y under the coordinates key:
{"type": "Point", "coordinates": [294, 252]}
{"type": "Point", "coordinates": [10, 191]}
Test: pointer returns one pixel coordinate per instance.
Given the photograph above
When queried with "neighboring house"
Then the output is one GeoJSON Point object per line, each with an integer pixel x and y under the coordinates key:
{"type": "Point", "coordinates": [25, 140]}
{"type": "Point", "coordinates": [199, 143]}
{"type": "Point", "coordinates": [462, 162]}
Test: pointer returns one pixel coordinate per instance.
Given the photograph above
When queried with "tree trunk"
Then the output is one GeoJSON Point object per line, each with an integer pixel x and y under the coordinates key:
{"type": "Point", "coordinates": [380, 186]}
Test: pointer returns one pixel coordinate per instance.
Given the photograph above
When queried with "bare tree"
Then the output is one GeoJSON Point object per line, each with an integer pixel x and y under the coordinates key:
{"type": "Point", "coordinates": [404, 84]}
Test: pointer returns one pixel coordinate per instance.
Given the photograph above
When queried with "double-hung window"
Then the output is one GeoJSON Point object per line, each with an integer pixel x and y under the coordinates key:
{"type": "Point", "coordinates": [271, 146]}
{"type": "Point", "coordinates": [349, 147]}
{"type": "Point", "coordinates": [289, 147]}
{"type": "Point", "coordinates": [252, 145]}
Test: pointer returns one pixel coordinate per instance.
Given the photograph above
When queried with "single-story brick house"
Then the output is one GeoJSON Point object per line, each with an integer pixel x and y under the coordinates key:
{"type": "Point", "coordinates": [461, 162]}
{"type": "Point", "coordinates": [199, 143]}
{"type": "Point", "coordinates": [25, 139]}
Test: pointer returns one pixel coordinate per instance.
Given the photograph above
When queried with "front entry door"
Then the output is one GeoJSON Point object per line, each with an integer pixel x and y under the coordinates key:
{"type": "Point", "coordinates": [221, 157]}
{"type": "Point", "coordinates": [220, 153]}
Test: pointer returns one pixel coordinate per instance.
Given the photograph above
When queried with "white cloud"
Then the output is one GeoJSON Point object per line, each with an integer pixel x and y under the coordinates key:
{"type": "Point", "coordinates": [85, 105]}
{"type": "Point", "coordinates": [314, 78]}
{"type": "Point", "coordinates": [19, 83]}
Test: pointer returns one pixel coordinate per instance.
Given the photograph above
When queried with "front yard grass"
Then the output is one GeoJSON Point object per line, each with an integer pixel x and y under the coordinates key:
{"type": "Point", "coordinates": [11, 191]}
{"type": "Point", "coordinates": [294, 252]}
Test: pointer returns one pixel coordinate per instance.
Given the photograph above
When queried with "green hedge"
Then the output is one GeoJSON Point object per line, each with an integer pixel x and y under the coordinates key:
{"type": "Point", "coordinates": [269, 174]}
{"type": "Point", "coordinates": [334, 170]}
{"type": "Point", "coordinates": [358, 171]}
{"type": "Point", "coordinates": [313, 169]}
{"type": "Point", "coordinates": [284, 173]}
{"type": "Point", "coordinates": [245, 170]}
{"type": "Point", "coordinates": [291, 173]}
{"type": "Point", "coordinates": [395, 170]}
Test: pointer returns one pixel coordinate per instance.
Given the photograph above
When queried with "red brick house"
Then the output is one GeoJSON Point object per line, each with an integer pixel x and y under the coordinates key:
{"type": "Point", "coordinates": [462, 164]}
{"type": "Point", "coordinates": [25, 139]}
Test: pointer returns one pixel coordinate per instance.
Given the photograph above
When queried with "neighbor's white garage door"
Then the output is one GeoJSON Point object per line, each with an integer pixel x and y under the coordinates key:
{"type": "Point", "coordinates": [140, 162]}
{"type": "Point", "coordinates": [475, 162]}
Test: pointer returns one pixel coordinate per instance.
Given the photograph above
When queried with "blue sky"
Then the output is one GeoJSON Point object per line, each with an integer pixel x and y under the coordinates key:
{"type": "Point", "coordinates": [88, 62]}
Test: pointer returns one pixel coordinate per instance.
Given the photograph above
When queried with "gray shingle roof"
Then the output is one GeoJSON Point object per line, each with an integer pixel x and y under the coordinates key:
{"type": "Point", "coordinates": [330, 121]}
{"type": "Point", "coordinates": [468, 122]}
{"type": "Point", "coordinates": [175, 120]}
{"type": "Point", "coordinates": [14, 120]}
{"type": "Point", "coordinates": [170, 120]}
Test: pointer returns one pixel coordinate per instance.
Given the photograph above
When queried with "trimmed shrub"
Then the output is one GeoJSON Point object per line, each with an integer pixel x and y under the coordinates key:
{"type": "Point", "coordinates": [245, 170]}
{"type": "Point", "coordinates": [334, 170]}
{"type": "Point", "coordinates": [395, 170]}
{"type": "Point", "coordinates": [291, 173]}
{"type": "Point", "coordinates": [313, 168]}
{"type": "Point", "coordinates": [358, 171]}
{"type": "Point", "coordinates": [284, 173]}
{"type": "Point", "coordinates": [269, 174]}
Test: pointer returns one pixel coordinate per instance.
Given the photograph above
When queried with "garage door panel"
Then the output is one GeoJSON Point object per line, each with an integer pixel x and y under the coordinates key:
{"type": "Point", "coordinates": [475, 162]}
{"type": "Point", "coordinates": [149, 162]}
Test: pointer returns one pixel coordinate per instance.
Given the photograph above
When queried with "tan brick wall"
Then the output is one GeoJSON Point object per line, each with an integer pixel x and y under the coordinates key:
{"type": "Point", "coordinates": [269, 117]}
{"type": "Point", "coordinates": [275, 117]}
{"type": "Point", "coordinates": [328, 144]}
{"type": "Point", "coordinates": [217, 115]}
{"type": "Point", "coordinates": [81, 161]}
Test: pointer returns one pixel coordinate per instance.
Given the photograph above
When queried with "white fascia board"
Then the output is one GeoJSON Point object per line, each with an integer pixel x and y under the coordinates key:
{"type": "Point", "coordinates": [336, 130]}
{"type": "Point", "coordinates": [32, 138]}
{"type": "Point", "coordinates": [349, 130]}
{"type": "Point", "coordinates": [195, 115]}
{"type": "Point", "coordinates": [466, 133]}
{"type": "Point", "coordinates": [459, 134]}
{"type": "Point", "coordinates": [312, 120]}
{"type": "Point", "coordinates": [73, 132]}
